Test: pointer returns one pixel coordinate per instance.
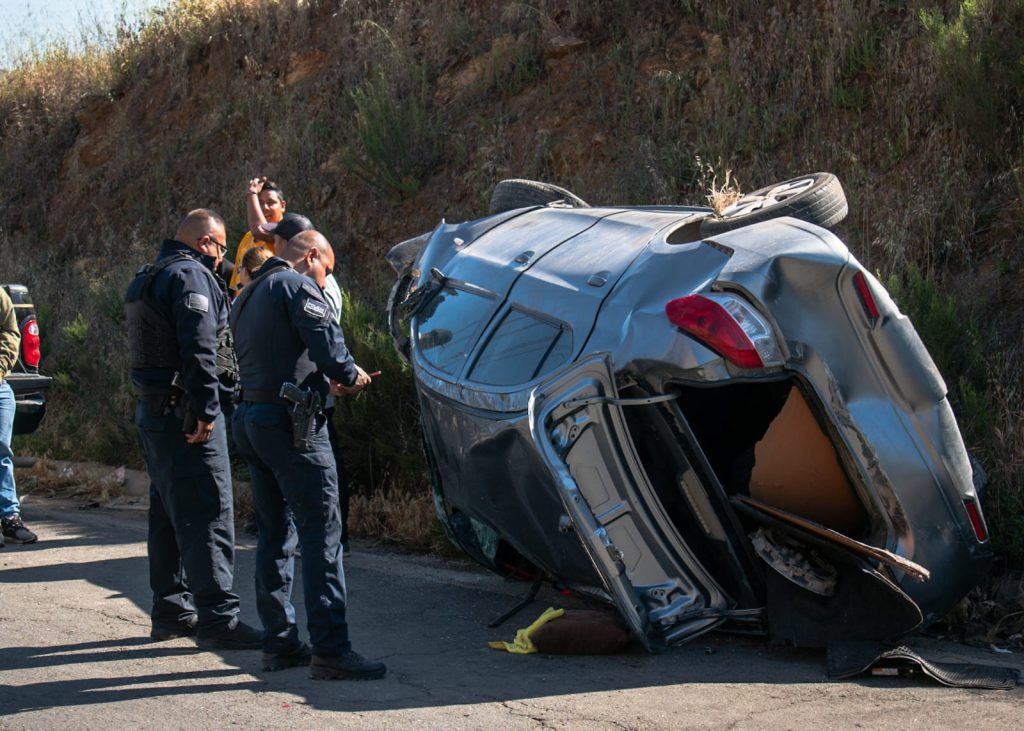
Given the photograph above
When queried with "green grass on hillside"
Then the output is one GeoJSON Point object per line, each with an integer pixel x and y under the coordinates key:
{"type": "Point", "coordinates": [380, 118]}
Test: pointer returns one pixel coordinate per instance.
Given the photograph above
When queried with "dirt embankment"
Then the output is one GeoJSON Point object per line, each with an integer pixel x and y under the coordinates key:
{"type": "Point", "coordinates": [379, 119]}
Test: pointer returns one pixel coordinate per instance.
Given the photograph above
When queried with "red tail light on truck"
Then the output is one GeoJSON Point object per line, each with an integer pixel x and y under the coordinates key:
{"type": "Point", "coordinates": [30, 342]}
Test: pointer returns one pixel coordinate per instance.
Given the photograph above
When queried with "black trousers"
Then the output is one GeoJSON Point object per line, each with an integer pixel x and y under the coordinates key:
{"type": "Point", "coordinates": [339, 462]}
{"type": "Point", "coordinates": [191, 521]}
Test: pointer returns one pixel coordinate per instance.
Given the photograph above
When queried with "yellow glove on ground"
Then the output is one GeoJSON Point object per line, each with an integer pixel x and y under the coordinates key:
{"type": "Point", "coordinates": [523, 645]}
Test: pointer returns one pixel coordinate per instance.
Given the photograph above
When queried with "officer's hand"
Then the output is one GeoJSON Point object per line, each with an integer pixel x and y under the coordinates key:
{"type": "Point", "coordinates": [362, 380]}
{"type": "Point", "coordinates": [203, 432]}
{"type": "Point", "coordinates": [256, 184]}
{"type": "Point", "coordinates": [339, 389]}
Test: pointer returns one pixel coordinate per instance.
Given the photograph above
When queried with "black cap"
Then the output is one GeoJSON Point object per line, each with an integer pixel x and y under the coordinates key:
{"type": "Point", "coordinates": [289, 225]}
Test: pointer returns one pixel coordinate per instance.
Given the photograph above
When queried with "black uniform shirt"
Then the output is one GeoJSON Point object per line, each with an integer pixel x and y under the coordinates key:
{"type": "Point", "coordinates": [188, 295]}
{"type": "Point", "coordinates": [284, 331]}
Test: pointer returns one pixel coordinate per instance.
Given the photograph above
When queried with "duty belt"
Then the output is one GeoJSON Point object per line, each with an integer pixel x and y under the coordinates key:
{"type": "Point", "coordinates": [257, 396]}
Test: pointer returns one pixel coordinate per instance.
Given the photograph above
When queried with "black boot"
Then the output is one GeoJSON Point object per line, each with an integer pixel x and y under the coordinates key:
{"type": "Point", "coordinates": [347, 666]}
{"type": "Point", "coordinates": [296, 657]}
{"type": "Point", "coordinates": [234, 636]}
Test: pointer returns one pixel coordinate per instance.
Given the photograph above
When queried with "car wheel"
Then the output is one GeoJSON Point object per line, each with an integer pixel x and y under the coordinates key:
{"type": "Point", "coordinates": [817, 198]}
{"type": "Point", "coordinates": [511, 194]}
{"type": "Point", "coordinates": [399, 332]}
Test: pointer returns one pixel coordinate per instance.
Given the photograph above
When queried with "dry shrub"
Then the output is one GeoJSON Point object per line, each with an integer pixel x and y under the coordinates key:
{"type": "Point", "coordinates": [83, 481]}
{"type": "Point", "coordinates": [395, 516]}
{"type": "Point", "coordinates": [725, 195]}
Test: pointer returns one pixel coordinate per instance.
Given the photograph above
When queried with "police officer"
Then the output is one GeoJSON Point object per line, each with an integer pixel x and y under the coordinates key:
{"type": "Point", "coordinates": [177, 319]}
{"type": "Point", "coordinates": [285, 334]}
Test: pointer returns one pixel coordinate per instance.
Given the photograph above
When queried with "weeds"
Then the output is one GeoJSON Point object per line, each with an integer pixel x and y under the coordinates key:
{"type": "Point", "coordinates": [398, 140]}
{"type": "Point", "coordinates": [513, 65]}
{"type": "Point", "coordinates": [105, 146]}
{"type": "Point", "coordinates": [719, 197]}
{"type": "Point", "coordinates": [979, 56]}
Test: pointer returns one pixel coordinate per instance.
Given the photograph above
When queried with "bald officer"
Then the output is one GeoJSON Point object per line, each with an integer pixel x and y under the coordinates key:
{"type": "Point", "coordinates": [285, 332]}
{"type": "Point", "coordinates": [177, 319]}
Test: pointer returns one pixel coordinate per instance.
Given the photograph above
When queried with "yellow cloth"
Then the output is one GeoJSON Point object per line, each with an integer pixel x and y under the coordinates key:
{"type": "Point", "coordinates": [244, 245]}
{"type": "Point", "coordinates": [523, 645]}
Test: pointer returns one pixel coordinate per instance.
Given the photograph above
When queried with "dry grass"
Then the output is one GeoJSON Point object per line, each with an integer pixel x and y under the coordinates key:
{"type": "Point", "coordinates": [395, 516]}
{"type": "Point", "coordinates": [720, 197]}
{"type": "Point", "coordinates": [104, 149]}
{"type": "Point", "coordinates": [81, 481]}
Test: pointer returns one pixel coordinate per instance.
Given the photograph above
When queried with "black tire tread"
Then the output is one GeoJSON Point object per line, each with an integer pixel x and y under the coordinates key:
{"type": "Point", "coordinates": [519, 193]}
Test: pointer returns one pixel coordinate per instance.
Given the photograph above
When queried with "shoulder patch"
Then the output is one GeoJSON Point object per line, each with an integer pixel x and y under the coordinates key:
{"type": "Point", "coordinates": [314, 308]}
{"type": "Point", "coordinates": [197, 302]}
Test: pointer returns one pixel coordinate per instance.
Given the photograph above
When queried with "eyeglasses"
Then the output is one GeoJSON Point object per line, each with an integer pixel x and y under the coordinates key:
{"type": "Point", "coordinates": [222, 249]}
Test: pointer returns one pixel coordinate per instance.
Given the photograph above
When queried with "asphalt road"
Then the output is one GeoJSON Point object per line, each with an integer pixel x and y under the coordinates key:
{"type": "Point", "coordinates": [75, 654]}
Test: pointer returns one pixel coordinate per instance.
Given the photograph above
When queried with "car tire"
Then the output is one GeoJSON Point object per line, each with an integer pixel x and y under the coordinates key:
{"type": "Point", "coordinates": [817, 198]}
{"type": "Point", "coordinates": [399, 336]}
{"type": "Point", "coordinates": [516, 193]}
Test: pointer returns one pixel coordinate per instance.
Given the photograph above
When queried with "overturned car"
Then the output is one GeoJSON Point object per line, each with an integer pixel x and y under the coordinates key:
{"type": "Point", "coordinates": [702, 419]}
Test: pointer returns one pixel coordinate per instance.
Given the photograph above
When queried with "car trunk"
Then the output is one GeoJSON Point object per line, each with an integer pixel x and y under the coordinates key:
{"type": "Point", "coordinates": [777, 452]}
{"type": "Point", "coordinates": [759, 452]}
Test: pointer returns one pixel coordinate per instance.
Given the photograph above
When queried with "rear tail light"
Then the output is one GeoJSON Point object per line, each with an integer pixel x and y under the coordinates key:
{"type": "Point", "coordinates": [977, 522]}
{"type": "Point", "coordinates": [727, 325]}
{"type": "Point", "coordinates": [867, 300]}
{"type": "Point", "coordinates": [30, 343]}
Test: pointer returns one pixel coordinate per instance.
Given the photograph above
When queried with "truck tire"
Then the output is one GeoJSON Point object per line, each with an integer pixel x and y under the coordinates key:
{"type": "Point", "coordinates": [817, 198]}
{"type": "Point", "coordinates": [516, 193]}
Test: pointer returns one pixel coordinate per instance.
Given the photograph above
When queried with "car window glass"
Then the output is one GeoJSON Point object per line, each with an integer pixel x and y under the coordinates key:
{"type": "Point", "coordinates": [448, 325]}
{"type": "Point", "coordinates": [521, 349]}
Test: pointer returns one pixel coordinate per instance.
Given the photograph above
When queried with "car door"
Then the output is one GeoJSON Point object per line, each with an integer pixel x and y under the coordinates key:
{"type": "Point", "coordinates": [576, 422]}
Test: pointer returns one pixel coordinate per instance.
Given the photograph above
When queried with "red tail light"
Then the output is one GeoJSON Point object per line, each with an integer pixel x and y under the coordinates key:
{"type": "Point", "coordinates": [30, 343]}
{"type": "Point", "coordinates": [866, 298]}
{"type": "Point", "coordinates": [976, 520]}
{"type": "Point", "coordinates": [709, 321]}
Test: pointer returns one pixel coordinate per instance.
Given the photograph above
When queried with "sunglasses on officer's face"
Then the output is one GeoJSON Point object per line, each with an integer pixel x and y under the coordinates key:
{"type": "Point", "coordinates": [222, 249]}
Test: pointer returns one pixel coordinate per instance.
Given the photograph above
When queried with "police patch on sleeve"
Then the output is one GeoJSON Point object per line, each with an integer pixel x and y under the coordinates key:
{"type": "Point", "coordinates": [314, 308]}
{"type": "Point", "coordinates": [197, 302]}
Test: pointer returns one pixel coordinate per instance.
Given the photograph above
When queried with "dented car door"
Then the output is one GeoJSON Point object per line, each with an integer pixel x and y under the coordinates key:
{"type": "Point", "coordinates": [661, 589]}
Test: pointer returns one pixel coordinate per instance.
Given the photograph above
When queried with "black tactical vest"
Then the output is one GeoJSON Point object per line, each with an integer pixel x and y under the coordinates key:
{"type": "Point", "coordinates": [152, 342]}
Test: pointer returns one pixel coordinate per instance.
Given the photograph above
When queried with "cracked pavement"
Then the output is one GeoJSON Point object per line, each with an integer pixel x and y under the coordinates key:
{"type": "Point", "coordinates": [75, 653]}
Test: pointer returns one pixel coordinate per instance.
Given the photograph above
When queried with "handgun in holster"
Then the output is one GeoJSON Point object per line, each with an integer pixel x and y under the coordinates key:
{"type": "Point", "coordinates": [305, 407]}
{"type": "Point", "coordinates": [188, 419]}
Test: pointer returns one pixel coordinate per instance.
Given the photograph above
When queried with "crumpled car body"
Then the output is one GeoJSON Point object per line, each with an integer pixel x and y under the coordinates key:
{"type": "Point", "coordinates": [738, 430]}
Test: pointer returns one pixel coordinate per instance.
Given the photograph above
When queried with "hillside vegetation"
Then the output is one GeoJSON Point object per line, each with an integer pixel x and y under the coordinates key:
{"type": "Point", "coordinates": [378, 118]}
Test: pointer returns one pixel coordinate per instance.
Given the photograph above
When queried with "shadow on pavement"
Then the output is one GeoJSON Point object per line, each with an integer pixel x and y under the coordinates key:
{"type": "Point", "coordinates": [431, 633]}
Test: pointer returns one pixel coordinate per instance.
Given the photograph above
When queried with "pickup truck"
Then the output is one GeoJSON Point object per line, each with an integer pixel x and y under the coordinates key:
{"type": "Point", "coordinates": [29, 386]}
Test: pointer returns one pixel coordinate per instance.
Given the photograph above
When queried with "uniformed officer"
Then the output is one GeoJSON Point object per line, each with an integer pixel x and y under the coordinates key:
{"type": "Point", "coordinates": [285, 333]}
{"type": "Point", "coordinates": [177, 319]}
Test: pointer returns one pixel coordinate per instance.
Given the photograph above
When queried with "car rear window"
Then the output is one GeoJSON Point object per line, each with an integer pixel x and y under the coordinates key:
{"type": "Point", "coordinates": [448, 327]}
{"type": "Point", "coordinates": [521, 348]}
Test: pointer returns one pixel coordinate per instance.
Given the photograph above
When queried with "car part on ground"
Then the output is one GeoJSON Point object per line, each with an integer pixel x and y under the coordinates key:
{"type": "Point", "coordinates": [618, 399]}
{"type": "Point", "coordinates": [30, 388]}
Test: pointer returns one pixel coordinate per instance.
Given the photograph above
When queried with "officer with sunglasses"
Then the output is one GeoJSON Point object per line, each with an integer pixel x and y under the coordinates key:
{"type": "Point", "coordinates": [176, 311]}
